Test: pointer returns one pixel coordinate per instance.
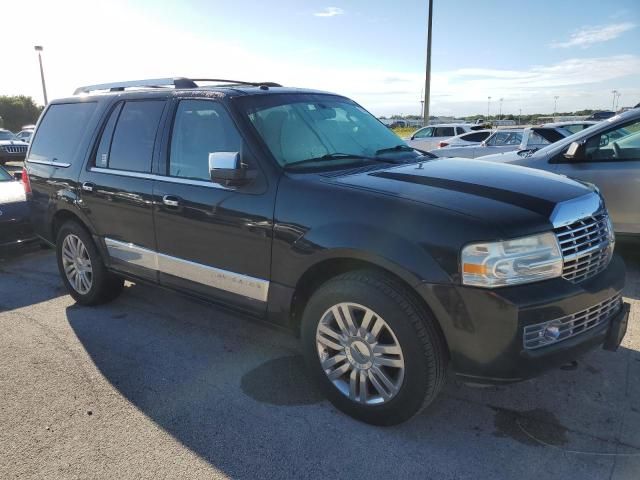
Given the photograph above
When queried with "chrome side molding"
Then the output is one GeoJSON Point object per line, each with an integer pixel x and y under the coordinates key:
{"type": "Point", "coordinates": [251, 287]}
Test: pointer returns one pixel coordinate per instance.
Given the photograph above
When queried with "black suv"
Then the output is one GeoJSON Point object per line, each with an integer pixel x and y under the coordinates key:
{"type": "Point", "coordinates": [301, 208]}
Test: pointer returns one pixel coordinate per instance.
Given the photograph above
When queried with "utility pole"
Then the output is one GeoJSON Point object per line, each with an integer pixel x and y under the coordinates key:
{"type": "Point", "coordinates": [617, 101]}
{"type": "Point", "coordinates": [520, 117]}
{"type": "Point", "coordinates": [427, 79]}
{"type": "Point", "coordinates": [613, 103]}
{"type": "Point", "coordinates": [500, 116]}
{"type": "Point", "coordinates": [488, 107]}
{"type": "Point", "coordinates": [555, 105]}
{"type": "Point", "coordinates": [38, 48]}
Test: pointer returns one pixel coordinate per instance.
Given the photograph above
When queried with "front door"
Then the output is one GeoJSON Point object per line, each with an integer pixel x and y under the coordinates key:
{"type": "Point", "coordinates": [212, 239]}
{"type": "Point", "coordinates": [612, 162]}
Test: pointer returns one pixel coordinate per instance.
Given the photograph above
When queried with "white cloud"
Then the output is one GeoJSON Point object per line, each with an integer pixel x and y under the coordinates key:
{"type": "Point", "coordinates": [145, 48]}
{"type": "Point", "coordinates": [587, 36]}
{"type": "Point", "coordinates": [330, 12]}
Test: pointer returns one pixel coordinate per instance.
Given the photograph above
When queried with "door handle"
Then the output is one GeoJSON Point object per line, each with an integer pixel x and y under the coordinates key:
{"type": "Point", "coordinates": [88, 186]}
{"type": "Point", "coordinates": [171, 201]}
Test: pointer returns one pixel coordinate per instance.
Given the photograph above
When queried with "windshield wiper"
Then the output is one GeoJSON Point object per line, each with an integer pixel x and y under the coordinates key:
{"type": "Point", "coordinates": [397, 148]}
{"type": "Point", "coordinates": [338, 156]}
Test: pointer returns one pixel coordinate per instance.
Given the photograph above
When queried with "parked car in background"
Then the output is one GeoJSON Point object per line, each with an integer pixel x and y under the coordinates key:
{"type": "Point", "coordinates": [607, 155]}
{"type": "Point", "coordinates": [11, 149]}
{"type": "Point", "coordinates": [301, 208]}
{"type": "Point", "coordinates": [599, 116]}
{"type": "Point", "coordinates": [25, 135]}
{"type": "Point", "coordinates": [507, 140]}
{"type": "Point", "coordinates": [15, 227]}
{"type": "Point", "coordinates": [466, 139]}
{"type": "Point", "coordinates": [571, 127]}
{"type": "Point", "coordinates": [427, 138]}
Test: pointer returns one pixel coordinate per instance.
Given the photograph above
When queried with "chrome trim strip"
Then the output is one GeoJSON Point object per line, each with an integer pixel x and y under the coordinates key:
{"type": "Point", "coordinates": [237, 283]}
{"type": "Point", "coordinates": [565, 213]}
{"type": "Point", "coordinates": [130, 253]}
{"type": "Point", "coordinates": [50, 163]}
{"type": "Point", "coordinates": [160, 178]}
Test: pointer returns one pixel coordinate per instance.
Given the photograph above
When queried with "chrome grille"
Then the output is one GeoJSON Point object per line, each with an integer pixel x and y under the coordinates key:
{"type": "Point", "coordinates": [586, 247]}
{"type": "Point", "coordinates": [15, 148]}
{"type": "Point", "coordinates": [538, 335]}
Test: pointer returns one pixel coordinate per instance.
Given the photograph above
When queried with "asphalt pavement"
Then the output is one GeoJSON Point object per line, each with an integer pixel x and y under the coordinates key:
{"type": "Point", "coordinates": [156, 385]}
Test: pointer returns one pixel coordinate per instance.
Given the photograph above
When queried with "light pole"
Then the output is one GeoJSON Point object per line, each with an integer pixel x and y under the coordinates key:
{"type": "Point", "coordinates": [488, 107]}
{"type": "Point", "coordinates": [38, 48]}
{"type": "Point", "coordinates": [520, 117]}
{"type": "Point", "coordinates": [555, 105]}
{"type": "Point", "coordinates": [500, 116]}
{"type": "Point", "coordinates": [613, 103]}
{"type": "Point", "coordinates": [617, 101]}
{"type": "Point", "coordinates": [427, 79]}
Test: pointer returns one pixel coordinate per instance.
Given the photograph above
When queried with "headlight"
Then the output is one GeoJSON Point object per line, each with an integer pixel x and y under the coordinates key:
{"type": "Point", "coordinates": [510, 262]}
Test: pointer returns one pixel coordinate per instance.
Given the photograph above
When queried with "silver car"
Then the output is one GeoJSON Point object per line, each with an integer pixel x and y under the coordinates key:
{"type": "Point", "coordinates": [506, 140]}
{"type": "Point", "coordinates": [607, 155]}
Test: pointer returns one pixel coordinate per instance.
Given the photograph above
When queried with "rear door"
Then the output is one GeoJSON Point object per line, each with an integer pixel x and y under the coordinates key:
{"type": "Point", "coordinates": [499, 142]}
{"type": "Point", "coordinates": [613, 164]}
{"type": "Point", "coordinates": [422, 139]}
{"type": "Point", "coordinates": [117, 185]}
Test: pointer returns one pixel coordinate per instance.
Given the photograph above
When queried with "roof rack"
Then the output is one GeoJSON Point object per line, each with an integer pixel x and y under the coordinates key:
{"type": "Point", "coordinates": [176, 82]}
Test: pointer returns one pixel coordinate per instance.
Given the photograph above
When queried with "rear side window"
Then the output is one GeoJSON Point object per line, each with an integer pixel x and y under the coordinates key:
{"type": "Point", "coordinates": [476, 136]}
{"type": "Point", "coordinates": [459, 130]}
{"type": "Point", "coordinates": [443, 132]}
{"type": "Point", "coordinates": [133, 137]}
{"type": "Point", "coordinates": [60, 132]}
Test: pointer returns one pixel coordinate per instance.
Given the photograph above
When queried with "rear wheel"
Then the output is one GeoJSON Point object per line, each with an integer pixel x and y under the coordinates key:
{"type": "Point", "coordinates": [374, 351]}
{"type": "Point", "coordinates": [82, 269]}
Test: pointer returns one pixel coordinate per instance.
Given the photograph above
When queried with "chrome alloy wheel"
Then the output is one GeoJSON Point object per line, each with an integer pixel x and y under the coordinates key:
{"type": "Point", "coordinates": [360, 354]}
{"type": "Point", "coordinates": [77, 264]}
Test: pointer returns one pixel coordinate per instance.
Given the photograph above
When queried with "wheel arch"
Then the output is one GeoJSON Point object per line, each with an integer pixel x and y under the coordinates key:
{"type": "Point", "coordinates": [328, 268]}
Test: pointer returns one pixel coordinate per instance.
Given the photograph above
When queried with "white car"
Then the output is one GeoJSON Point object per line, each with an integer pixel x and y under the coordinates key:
{"type": "Point", "coordinates": [428, 137]}
{"type": "Point", "coordinates": [507, 140]}
{"type": "Point", "coordinates": [25, 135]}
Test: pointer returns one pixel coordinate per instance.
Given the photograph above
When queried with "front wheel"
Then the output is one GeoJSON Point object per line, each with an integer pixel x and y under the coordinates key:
{"type": "Point", "coordinates": [81, 267]}
{"type": "Point", "coordinates": [373, 350]}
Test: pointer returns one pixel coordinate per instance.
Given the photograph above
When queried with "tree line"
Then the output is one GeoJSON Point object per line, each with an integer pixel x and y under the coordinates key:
{"type": "Point", "coordinates": [17, 111]}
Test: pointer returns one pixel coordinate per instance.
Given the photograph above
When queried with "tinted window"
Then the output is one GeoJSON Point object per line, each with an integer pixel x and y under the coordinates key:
{"type": "Point", "coordinates": [476, 136]}
{"type": "Point", "coordinates": [134, 135]}
{"type": "Point", "coordinates": [102, 152]}
{"type": "Point", "coordinates": [201, 127]}
{"type": "Point", "coordinates": [443, 132]}
{"type": "Point", "coordinates": [60, 132]}
{"type": "Point", "coordinates": [6, 135]}
{"type": "Point", "coordinates": [459, 130]}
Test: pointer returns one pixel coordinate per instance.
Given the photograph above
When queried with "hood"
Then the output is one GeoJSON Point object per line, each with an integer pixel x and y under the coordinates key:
{"type": "Point", "coordinates": [517, 200]}
{"type": "Point", "coordinates": [505, 157]}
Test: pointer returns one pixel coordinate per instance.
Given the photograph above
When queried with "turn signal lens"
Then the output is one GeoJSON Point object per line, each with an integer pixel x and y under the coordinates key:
{"type": "Point", "coordinates": [511, 262]}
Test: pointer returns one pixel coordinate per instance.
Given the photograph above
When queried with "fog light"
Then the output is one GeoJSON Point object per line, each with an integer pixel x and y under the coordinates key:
{"type": "Point", "coordinates": [551, 333]}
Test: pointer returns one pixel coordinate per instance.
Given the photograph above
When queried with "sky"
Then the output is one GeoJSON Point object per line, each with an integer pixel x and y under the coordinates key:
{"type": "Point", "coordinates": [525, 52]}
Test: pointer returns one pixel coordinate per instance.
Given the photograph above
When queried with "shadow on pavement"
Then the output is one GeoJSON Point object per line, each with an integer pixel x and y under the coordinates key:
{"type": "Point", "coordinates": [218, 386]}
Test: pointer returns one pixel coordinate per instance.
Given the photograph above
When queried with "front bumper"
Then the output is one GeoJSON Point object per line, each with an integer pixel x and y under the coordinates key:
{"type": "Point", "coordinates": [484, 328]}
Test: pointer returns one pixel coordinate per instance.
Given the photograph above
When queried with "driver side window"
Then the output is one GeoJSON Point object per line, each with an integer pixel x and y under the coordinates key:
{"type": "Point", "coordinates": [616, 145]}
{"type": "Point", "coordinates": [424, 133]}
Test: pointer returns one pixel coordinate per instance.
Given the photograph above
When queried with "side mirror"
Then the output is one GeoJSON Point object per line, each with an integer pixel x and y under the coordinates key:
{"type": "Point", "coordinates": [227, 168]}
{"type": "Point", "coordinates": [576, 152]}
{"type": "Point", "coordinates": [17, 176]}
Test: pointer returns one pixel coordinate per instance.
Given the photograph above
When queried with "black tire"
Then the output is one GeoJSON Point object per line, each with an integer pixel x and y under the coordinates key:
{"type": "Point", "coordinates": [105, 286]}
{"type": "Point", "coordinates": [423, 348]}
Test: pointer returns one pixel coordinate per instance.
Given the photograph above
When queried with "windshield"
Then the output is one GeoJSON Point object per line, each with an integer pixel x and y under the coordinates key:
{"type": "Point", "coordinates": [5, 135]}
{"type": "Point", "coordinates": [318, 130]}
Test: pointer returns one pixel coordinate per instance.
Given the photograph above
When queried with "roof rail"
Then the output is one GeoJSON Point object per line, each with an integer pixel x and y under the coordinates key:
{"type": "Point", "coordinates": [176, 82]}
